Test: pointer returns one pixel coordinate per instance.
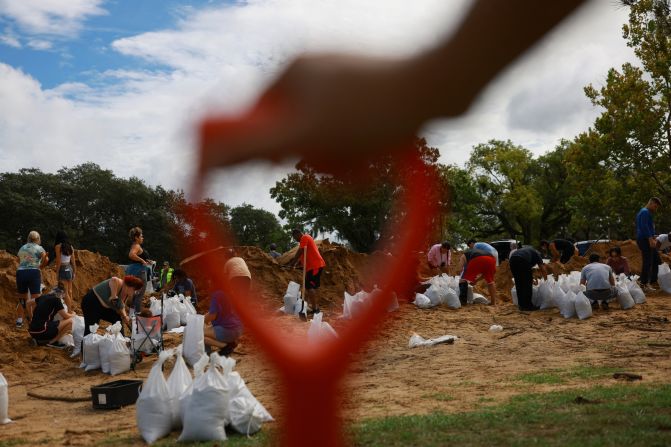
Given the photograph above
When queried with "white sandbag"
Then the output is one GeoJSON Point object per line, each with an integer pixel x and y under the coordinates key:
{"type": "Point", "coordinates": [568, 305]}
{"type": "Point", "coordinates": [635, 291]}
{"type": "Point", "coordinates": [103, 350]}
{"type": "Point", "coordinates": [513, 294]}
{"type": "Point", "coordinates": [238, 388]}
{"type": "Point", "coordinates": [583, 308]}
{"type": "Point", "coordinates": [77, 335]}
{"type": "Point", "coordinates": [293, 289]}
{"type": "Point", "coordinates": [207, 410]}
{"type": "Point", "coordinates": [417, 340]}
{"type": "Point", "coordinates": [4, 401]}
{"type": "Point", "coordinates": [178, 382]}
{"type": "Point", "coordinates": [480, 299]}
{"type": "Point", "coordinates": [624, 297]}
{"type": "Point", "coordinates": [117, 352]}
{"type": "Point", "coordinates": [664, 277]}
{"type": "Point", "coordinates": [320, 331]}
{"type": "Point", "coordinates": [155, 306]}
{"type": "Point", "coordinates": [198, 370]}
{"type": "Point", "coordinates": [90, 351]}
{"type": "Point", "coordinates": [180, 308]}
{"type": "Point", "coordinates": [194, 338]}
{"type": "Point", "coordinates": [246, 417]}
{"type": "Point", "coordinates": [171, 317]}
{"type": "Point", "coordinates": [451, 299]}
{"type": "Point", "coordinates": [393, 303]}
{"type": "Point", "coordinates": [469, 294]}
{"type": "Point", "coordinates": [290, 302]}
{"type": "Point", "coordinates": [153, 409]}
{"type": "Point", "coordinates": [359, 304]}
{"type": "Point", "coordinates": [435, 294]}
{"type": "Point", "coordinates": [422, 301]}
{"type": "Point", "coordinates": [190, 308]}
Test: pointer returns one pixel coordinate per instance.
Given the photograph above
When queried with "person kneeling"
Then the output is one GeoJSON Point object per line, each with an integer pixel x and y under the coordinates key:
{"type": "Point", "coordinates": [226, 327]}
{"type": "Point", "coordinates": [43, 328]}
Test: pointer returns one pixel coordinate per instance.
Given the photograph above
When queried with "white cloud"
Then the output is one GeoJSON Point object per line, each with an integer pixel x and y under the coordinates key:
{"type": "Point", "coordinates": [50, 17]}
{"type": "Point", "coordinates": [141, 122]}
{"type": "Point", "coordinates": [9, 38]}
{"type": "Point", "coordinates": [39, 44]}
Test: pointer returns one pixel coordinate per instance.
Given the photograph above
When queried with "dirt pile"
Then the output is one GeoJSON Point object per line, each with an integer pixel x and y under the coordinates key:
{"type": "Point", "coordinates": [91, 268]}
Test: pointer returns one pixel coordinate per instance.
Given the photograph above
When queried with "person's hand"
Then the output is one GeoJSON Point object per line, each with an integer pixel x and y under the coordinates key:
{"type": "Point", "coordinates": [330, 110]}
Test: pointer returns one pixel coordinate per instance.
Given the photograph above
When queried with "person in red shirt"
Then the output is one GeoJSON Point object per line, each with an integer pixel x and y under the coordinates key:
{"type": "Point", "coordinates": [314, 265]}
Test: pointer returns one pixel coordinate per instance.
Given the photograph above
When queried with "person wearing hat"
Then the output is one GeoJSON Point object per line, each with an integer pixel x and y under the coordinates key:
{"type": "Point", "coordinates": [273, 251]}
{"type": "Point", "coordinates": [226, 327]}
{"type": "Point", "coordinates": [43, 327]}
{"type": "Point", "coordinates": [166, 274]}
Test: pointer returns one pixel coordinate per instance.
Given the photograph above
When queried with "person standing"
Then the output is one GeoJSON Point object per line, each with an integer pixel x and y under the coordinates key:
{"type": "Point", "coordinates": [645, 239]}
{"type": "Point", "coordinates": [140, 265]}
{"type": "Point", "coordinates": [65, 264]}
{"type": "Point", "coordinates": [522, 262]}
{"type": "Point", "coordinates": [599, 281]}
{"type": "Point", "coordinates": [313, 265]}
{"type": "Point", "coordinates": [273, 251]}
{"type": "Point", "coordinates": [166, 274]}
{"type": "Point", "coordinates": [439, 257]}
{"type": "Point", "coordinates": [32, 258]}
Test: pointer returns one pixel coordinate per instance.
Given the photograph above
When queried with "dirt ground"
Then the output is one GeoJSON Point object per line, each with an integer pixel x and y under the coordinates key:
{"type": "Point", "coordinates": [387, 378]}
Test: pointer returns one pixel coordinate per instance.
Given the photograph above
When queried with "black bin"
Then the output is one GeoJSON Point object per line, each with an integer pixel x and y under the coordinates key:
{"type": "Point", "coordinates": [117, 394]}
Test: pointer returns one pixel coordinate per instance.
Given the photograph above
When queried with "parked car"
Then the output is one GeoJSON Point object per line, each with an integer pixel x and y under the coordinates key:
{"type": "Point", "coordinates": [583, 246]}
{"type": "Point", "coordinates": [504, 247]}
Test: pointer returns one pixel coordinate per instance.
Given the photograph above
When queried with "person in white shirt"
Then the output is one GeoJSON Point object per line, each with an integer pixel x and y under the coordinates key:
{"type": "Point", "coordinates": [663, 242]}
{"type": "Point", "coordinates": [439, 257]}
{"type": "Point", "coordinates": [599, 281]}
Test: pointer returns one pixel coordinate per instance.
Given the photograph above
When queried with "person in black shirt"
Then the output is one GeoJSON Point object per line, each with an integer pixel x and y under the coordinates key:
{"type": "Point", "coordinates": [522, 261]}
{"type": "Point", "coordinates": [43, 327]}
{"type": "Point", "coordinates": [559, 250]}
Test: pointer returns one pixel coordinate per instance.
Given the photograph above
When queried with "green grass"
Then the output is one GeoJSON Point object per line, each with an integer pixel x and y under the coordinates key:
{"type": "Point", "coordinates": [12, 442]}
{"type": "Point", "coordinates": [624, 415]}
{"type": "Point", "coordinates": [443, 397]}
{"type": "Point", "coordinates": [557, 376]}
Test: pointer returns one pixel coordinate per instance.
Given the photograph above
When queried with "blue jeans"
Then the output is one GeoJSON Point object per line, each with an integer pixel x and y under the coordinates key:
{"type": "Point", "coordinates": [651, 261]}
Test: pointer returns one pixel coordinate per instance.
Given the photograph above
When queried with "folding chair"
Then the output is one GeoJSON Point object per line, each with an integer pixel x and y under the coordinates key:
{"type": "Point", "coordinates": [147, 337]}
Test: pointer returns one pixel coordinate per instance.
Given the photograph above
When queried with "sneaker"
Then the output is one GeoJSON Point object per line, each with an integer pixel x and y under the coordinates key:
{"type": "Point", "coordinates": [604, 305]}
{"type": "Point", "coordinates": [19, 323]}
{"type": "Point", "coordinates": [57, 345]}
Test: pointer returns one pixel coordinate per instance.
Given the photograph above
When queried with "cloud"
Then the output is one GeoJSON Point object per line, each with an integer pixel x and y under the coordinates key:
{"type": "Point", "coordinates": [9, 38]}
{"type": "Point", "coordinates": [39, 44]}
{"type": "Point", "coordinates": [140, 122]}
{"type": "Point", "coordinates": [50, 17]}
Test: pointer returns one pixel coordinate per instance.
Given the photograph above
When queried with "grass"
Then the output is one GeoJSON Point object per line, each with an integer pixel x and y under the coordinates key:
{"type": "Point", "coordinates": [12, 442]}
{"type": "Point", "coordinates": [557, 376]}
{"type": "Point", "coordinates": [443, 397]}
{"type": "Point", "coordinates": [622, 415]}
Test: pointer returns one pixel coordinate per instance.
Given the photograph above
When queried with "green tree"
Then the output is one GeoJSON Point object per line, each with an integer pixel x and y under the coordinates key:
{"type": "Point", "coordinates": [253, 226]}
{"type": "Point", "coordinates": [357, 204]}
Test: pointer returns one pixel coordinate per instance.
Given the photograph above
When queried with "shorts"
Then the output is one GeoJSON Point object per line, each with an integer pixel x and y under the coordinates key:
{"type": "Point", "coordinates": [313, 280]}
{"type": "Point", "coordinates": [226, 335]}
{"type": "Point", "coordinates": [482, 265]}
{"type": "Point", "coordinates": [49, 331]}
{"type": "Point", "coordinates": [65, 272]}
{"type": "Point", "coordinates": [29, 279]}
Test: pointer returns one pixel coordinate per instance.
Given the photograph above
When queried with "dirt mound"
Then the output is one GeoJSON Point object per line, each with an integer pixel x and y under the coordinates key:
{"type": "Point", "coordinates": [91, 269]}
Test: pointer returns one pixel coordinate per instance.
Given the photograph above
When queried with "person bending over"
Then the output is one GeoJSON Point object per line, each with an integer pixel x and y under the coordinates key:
{"type": "Point", "coordinates": [522, 261]}
{"type": "Point", "coordinates": [43, 327]}
{"type": "Point", "coordinates": [226, 327]}
{"type": "Point", "coordinates": [107, 300]}
{"type": "Point", "coordinates": [313, 266]}
{"type": "Point", "coordinates": [439, 257]}
{"type": "Point", "coordinates": [561, 250]}
{"type": "Point", "coordinates": [477, 263]}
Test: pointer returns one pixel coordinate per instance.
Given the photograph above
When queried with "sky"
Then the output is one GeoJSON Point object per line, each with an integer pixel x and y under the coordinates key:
{"type": "Point", "coordinates": [123, 83]}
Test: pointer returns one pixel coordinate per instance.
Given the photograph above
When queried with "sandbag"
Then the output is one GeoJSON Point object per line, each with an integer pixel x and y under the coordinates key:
{"type": "Point", "coordinates": [77, 335]}
{"type": "Point", "coordinates": [103, 350]}
{"type": "Point", "coordinates": [194, 338]}
{"type": "Point", "coordinates": [320, 331]}
{"type": "Point", "coordinates": [513, 294]}
{"type": "Point", "coordinates": [238, 388]}
{"type": "Point", "coordinates": [153, 409]}
{"type": "Point", "coordinates": [664, 277]}
{"type": "Point", "coordinates": [171, 316]}
{"type": "Point", "coordinates": [624, 297]}
{"type": "Point", "coordinates": [198, 370]}
{"type": "Point", "coordinates": [180, 308]}
{"type": "Point", "coordinates": [178, 382]}
{"type": "Point", "coordinates": [547, 293]}
{"type": "Point", "coordinates": [422, 301]}
{"type": "Point", "coordinates": [636, 292]}
{"type": "Point", "coordinates": [117, 352]}
{"type": "Point", "coordinates": [155, 306]}
{"type": "Point", "coordinates": [451, 299]}
{"type": "Point", "coordinates": [434, 294]}
{"type": "Point", "coordinates": [4, 401]}
{"type": "Point", "coordinates": [246, 418]}
{"type": "Point", "coordinates": [90, 351]}
{"type": "Point", "coordinates": [583, 308]}
{"type": "Point", "coordinates": [207, 410]}
{"type": "Point", "coordinates": [567, 308]}
{"type": "Point", "coordinates": [393, 303]}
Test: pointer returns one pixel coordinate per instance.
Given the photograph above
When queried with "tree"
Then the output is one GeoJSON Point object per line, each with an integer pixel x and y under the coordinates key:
{"type": "Point", "coordinates": [357, 204]}
{"type": "Point", "coordinates": [253, 226]}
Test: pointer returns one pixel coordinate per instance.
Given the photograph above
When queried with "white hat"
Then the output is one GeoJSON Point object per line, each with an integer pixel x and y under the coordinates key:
{"type": "Point", "coordinates": [236, 267]}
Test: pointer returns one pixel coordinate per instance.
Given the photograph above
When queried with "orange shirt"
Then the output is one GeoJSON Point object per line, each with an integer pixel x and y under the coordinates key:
{"type": "Point", "coordinates": [314, 260]}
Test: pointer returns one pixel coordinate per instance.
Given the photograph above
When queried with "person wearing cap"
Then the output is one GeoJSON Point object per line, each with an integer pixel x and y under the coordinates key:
{"type": "Point", "coordinates": [439, 257]}
{"type": "Point", "coordinates": [184, 285]}
{"type": "Point", "coordinates": [313, 264]}
{"type": "Point", "coordinates": [166, 274]}
{"type": "Point", "coordinates": [273, 251]}
{"type": "Point", "coordinates": [645, 239]}
{"type": "Point", "coordinates": [43, 327]}
{"type": "Point", "coordinates": [226, 327]}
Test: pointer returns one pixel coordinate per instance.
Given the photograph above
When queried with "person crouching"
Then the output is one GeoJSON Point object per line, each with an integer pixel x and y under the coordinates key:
{"type": "Point", "coordinates": [599, 281]}
{"type": "Point", "coordinates": [43, 327]}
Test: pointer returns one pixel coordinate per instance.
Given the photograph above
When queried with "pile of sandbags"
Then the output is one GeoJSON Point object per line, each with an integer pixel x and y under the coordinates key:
{"type": "Point", "coordinates": [202, 406]}
{"type": "Point", "coordinates": [108, 352]}
{"type": "Point", "coordinates": [174, 310]}
{"type": "Point", "coordinates": [293, 303]}
{"type": "Point", "coordinates": [354, 305]}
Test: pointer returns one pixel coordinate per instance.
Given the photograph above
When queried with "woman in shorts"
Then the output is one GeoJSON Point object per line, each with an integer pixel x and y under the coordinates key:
{"type": "Point", "coordinates": [139, 266]}
{"type": "Point", "coordinates": [65, 264]}
{"type": "Point", "coordinates": [32, 257]}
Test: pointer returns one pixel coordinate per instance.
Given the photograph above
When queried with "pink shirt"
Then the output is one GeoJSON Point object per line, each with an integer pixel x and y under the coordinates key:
{"type": "Point", "coordinates": [436, 258]}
